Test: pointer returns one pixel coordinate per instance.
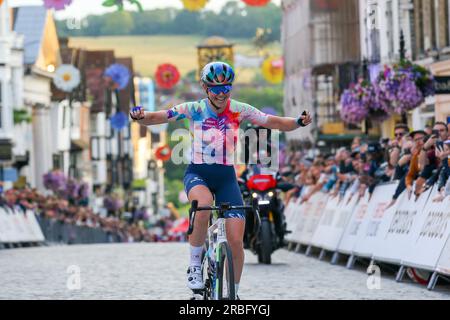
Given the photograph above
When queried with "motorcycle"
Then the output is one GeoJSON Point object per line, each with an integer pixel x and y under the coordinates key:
{"type": "Point", "coordinates": [264, 232]}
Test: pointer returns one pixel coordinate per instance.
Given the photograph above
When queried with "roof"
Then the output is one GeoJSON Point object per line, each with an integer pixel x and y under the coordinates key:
{"type": "Point", "coordinates": [30, 21]}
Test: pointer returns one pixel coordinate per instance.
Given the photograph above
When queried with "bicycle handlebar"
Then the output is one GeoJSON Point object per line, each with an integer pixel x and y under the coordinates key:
{"type": "Point", "coordinates": [222, 209]}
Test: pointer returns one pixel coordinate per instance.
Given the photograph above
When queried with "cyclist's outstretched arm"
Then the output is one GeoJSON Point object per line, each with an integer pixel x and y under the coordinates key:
{"type": "Point", "coordinates": [286, 123]}
{"type": "Point", "coordinates": [149, 118]}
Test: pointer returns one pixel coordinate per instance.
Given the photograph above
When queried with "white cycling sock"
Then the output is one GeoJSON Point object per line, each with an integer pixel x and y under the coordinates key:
{"type": "Point", "coordinates": [196, 256]}
{"type": "Point", "coordinates": [236, 288]}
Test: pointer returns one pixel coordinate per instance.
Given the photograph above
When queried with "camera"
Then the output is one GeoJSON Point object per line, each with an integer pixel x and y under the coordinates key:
{"type": "Point", "coordinates": [407, 151]}
{"type": "Point", "coordinates": [435, 133]}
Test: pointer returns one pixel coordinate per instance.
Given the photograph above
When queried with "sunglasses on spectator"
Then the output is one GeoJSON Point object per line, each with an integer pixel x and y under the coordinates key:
{"type": "Point", "coordinates": [399, 134]}
{"type": "Point", "coordinates": [220, 89]}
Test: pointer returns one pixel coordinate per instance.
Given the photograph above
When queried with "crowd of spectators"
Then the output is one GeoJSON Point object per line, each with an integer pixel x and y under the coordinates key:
{"type": "Point", "coordinates": [127, 225]}
{"type": "Point", "coordinates": [417, 159]}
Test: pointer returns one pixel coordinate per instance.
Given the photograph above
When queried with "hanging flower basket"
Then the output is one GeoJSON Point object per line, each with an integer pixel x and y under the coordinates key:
{"type": "Point", "coordinates": [398, 88]}
{"type": "Point", "coordinates": [422, 77]}
{"type": "Point", "coordinates": [355, 102]}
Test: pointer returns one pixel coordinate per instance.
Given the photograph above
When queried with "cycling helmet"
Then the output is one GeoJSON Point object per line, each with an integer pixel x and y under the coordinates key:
{"type": "Point", "coordinates": [217, 73]}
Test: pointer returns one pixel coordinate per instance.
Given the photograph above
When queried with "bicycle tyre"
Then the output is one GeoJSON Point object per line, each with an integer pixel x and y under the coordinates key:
{"type": "Point", "coordinates": [224, 259]}
{"type": "Point", "coordinates": [208, 293]}
{"type": "Point", "coordinates": [265, 250]}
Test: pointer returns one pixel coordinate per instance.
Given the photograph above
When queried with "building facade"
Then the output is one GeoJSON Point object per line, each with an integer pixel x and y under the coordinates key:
{"type": "Point", "coordinates": [322, 54]}
{"type": "Point", "coordinates": [11, 91]}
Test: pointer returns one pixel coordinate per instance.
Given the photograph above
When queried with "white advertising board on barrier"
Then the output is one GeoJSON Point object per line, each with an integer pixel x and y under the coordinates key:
{"type": "Point", "coordinates": [301, 217]}
{"type": "Point", "coordinates": [19, 227]}
{"type": "Point", "coordinates": [326, 222]}
{"type": "Point", "coordinates": [307, 210]}
{"type": "Point", "coordinates": [377, 221]}
{"type": "Point", "coordinates": [319, 201]}
{"type": "Point", "coordinates": [403, 227]}
{"type": "Point", "coordinates": [37, 235]}
{"type": "Point", "coordinates": [334, 220]}
{"type": "Point", "coordinates": [291, 222]}
{"type": "Point", "coordinates": [443, 264]}
{"type": "Point", "coordinates": [9, 226]}
{"type": "Point", "coordinates": [289, 211]}
{"type": "Point", "coordinates": [5, 228]}
{"type": "Point", "coordinates": [349, 237]}
{"type": "Point", "coordinates": [429, 240]}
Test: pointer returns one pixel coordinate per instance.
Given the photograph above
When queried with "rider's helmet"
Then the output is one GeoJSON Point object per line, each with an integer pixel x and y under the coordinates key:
{"type": "Point", "coordinates": [217, 73]}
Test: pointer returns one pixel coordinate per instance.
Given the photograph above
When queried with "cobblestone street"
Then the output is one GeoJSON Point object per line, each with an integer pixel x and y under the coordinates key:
{"type": "Point", "coordinates": [157, 271]}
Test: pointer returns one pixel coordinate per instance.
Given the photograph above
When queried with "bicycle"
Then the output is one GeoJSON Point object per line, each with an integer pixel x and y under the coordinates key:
{"type": "Point", "coordinates": [216, 257]}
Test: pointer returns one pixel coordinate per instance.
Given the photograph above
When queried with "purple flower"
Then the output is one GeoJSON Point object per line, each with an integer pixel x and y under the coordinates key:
{"type": "Point", "coordinates": [354, 103]}
{"type": "Point", "coordinates": [55, 181]}
{"type": "Point", "coordinates": [119, 74]}
{"type": "Point", "coordinates": [57, 4]}
{"type": "Point", "coordinates": [84, 190]}
{"type": "Point", "coordinates": [399, 91]}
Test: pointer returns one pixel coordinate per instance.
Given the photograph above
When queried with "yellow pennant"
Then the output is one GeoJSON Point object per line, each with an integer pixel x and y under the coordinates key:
{"type": "Point", "coordinates": [194, 5]}
{"type": "Point", "coordinates": [272, 70]}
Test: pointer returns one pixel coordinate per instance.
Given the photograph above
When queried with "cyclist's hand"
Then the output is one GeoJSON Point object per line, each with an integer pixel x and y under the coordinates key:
{"type": "Point", "coordinates": [305, 119]}
{"type": "Point", "coordinates": [137, 113]}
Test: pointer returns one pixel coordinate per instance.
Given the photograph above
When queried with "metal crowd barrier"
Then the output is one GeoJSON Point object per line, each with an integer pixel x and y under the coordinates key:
{"type": "Point", "coordinates": [56, 231]}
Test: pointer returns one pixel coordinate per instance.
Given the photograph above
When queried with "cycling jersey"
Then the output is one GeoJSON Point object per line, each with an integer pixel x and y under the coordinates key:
{"type": "Point", "coordinates": [214, 136]}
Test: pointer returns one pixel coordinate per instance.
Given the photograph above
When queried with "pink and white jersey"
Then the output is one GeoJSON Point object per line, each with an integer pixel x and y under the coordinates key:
{"type": "Point", "coordinates": [214, 136]}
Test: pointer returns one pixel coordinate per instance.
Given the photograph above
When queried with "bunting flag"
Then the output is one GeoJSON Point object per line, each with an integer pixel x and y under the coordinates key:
{"type": "Point", "coordinates": [194, 5]}
{"type": "Point", "coordinates": [163, 153]}
{"type": "Point", "coordinates": [167, 76]}
{"type": "Point", "coordinates": [272, 70]}
{"type": "Point", "coordinates": [256, 3]}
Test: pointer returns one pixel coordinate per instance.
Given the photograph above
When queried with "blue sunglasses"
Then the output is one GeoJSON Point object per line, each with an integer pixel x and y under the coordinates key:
{"type": "Point", "coordinates": [220, 89]}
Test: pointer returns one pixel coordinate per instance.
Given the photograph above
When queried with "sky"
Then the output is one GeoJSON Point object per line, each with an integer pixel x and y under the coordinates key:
{"type": "Point", "coordinates": [82, 8]}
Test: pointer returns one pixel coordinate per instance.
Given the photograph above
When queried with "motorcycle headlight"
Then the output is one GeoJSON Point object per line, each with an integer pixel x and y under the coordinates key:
{"type": "Point", "coordinates": [255, 195]}
{"type": "Point", "coordinates": [270, 194]}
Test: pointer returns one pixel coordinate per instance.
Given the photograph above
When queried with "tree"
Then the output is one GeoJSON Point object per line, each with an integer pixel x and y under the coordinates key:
{"type": "Point", "coordinates": [117, 23]}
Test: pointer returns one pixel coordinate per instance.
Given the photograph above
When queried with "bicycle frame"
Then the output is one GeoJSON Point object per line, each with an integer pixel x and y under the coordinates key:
{"type": "Point", "coordinates": [216, 235]}
{"type": "Point", "coordinates": [213, 254]}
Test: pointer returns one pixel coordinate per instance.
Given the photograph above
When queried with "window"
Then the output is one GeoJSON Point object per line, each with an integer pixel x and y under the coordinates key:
{"type": "Point", "coordinates": [390, 31]}
{"type": "Point", "coordinates": [64, 116]}
{"type": "Point", "coordinates": [56, 161]}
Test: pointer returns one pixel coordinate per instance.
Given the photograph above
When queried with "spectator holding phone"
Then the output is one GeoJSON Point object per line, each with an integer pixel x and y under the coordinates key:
{"type": "Point", "coordinates": [442, 176]}
{"type": "Point", "coordinates": [429, 160]}
{"type": "Point", "coordinates": [400, 132]}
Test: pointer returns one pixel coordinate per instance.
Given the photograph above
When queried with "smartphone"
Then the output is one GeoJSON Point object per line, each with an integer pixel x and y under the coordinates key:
{"type": "Point", "coordinates": [407, 151]}
{"type": "Point", "coordinates": [435, 133]}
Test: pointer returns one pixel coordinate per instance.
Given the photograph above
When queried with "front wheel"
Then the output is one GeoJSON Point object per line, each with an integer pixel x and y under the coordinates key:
{"type": "Point", "coordinates": [265, 245]}
{"type": "Point", "coordinates": [225, 289]}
